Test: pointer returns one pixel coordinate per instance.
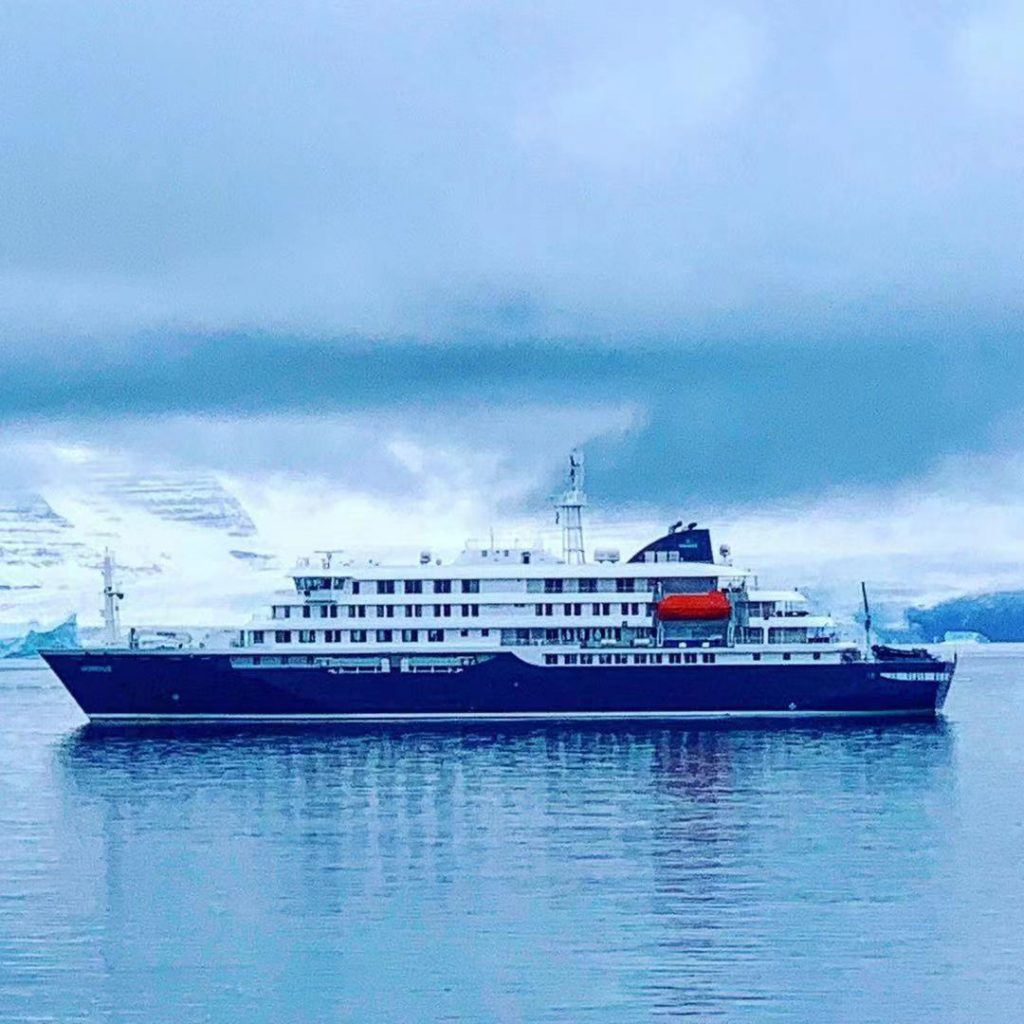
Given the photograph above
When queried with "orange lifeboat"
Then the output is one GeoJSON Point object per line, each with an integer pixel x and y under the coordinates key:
{"type": "Point", "coordinates": [691, 607]}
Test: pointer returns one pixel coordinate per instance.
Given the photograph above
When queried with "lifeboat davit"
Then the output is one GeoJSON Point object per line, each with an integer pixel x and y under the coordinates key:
{"type": "Point", "coordinates": [690, 607]}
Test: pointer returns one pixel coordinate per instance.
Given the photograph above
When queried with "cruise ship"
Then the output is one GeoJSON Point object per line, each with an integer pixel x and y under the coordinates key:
{"type": "Point", "coordinates": [673, 631]}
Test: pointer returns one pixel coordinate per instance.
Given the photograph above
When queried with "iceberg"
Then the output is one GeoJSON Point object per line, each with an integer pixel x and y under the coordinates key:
{"type": "Point", "coordinates": [61, 638]}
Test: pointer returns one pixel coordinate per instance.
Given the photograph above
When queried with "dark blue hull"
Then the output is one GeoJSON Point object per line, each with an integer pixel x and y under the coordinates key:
{"type": "Point", "coordinates": [137, 685]}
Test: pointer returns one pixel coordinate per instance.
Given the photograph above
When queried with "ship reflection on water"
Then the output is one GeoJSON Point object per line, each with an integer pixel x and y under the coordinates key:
{"type": "Point", "coordinates": [585, 873]}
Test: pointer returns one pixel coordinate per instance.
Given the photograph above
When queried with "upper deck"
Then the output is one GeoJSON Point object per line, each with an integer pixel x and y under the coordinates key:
{"type": "Point", "coordinates": [495, 597]}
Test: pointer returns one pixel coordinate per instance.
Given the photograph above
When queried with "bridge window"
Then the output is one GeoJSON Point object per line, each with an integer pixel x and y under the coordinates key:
{"type": "Point", "coordinates": [624, 586]}
{"type": "Point", "coordinates": [313, 582]}
{"type": "Point", "coordinates": [552, 586]}
{"type": "Point", "coordinates": [787, 634]}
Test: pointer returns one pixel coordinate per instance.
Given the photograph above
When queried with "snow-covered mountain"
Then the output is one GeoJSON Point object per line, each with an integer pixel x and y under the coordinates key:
{"type": "Point", "coordinates": [187, 549]}
{"type": "Point", "coordinates": [177, 497]}
{"type": "Point", "coordinates": [33, 535]}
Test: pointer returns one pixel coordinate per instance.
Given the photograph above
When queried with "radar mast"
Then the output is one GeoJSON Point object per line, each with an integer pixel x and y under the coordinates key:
{"type": "Point", "coordinates": [111, 602]}
{"type": "Point", "coordinates": [570, 512]}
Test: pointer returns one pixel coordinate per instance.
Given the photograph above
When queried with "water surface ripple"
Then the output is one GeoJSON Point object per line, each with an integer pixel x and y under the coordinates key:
{"type": "Point", "coordinates": [823, 871]}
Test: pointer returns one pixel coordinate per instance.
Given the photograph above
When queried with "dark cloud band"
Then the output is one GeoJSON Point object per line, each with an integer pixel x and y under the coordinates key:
{"type": "Point", "coordinates": [728, 422]}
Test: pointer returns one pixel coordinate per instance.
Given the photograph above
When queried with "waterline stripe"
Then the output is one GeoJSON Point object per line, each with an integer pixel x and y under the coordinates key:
{"type": "Point", "coordinates": [517, 716]}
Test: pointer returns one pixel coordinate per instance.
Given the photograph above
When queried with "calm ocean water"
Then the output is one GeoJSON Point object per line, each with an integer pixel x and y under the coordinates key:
{"type": "Point", "coordinates": [819, 872]}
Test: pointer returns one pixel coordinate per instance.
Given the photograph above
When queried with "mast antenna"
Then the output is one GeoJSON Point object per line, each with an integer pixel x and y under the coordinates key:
{"type": "Point", "coordinates": [112, 598]}
{"type": "Point", "coordinates": [326, 555]}
{"type": "Point", "coordinates": [867, 619]}
{"type": "Point", "coordinates": [570, 512]}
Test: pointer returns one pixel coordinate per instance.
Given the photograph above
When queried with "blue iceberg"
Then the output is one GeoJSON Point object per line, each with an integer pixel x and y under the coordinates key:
{"type": "Point", "coordinates": [62, 637]}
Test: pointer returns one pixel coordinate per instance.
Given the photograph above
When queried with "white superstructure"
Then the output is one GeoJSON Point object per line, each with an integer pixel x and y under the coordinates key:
{"type": "Point", "coordinates": [662, 601]}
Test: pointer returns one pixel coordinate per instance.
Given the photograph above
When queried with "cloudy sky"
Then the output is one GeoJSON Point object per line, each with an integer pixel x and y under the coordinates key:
{"type": "Point", "coordinates": [378, 263]}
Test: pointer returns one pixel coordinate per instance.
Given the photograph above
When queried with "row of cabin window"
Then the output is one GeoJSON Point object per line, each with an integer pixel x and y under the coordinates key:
{"type": "Point", "coordinates": [313, 583]}
{"type": "Point", "coordinates": [680, 658]}
{"type": "Point", "coordinates": [631, 608]}
{"type": "Point", "coordinates": [571, 635]}
{"type": "Point", "coordinates": [444, 611]}
{"type": "Point", "coordinates": [513, 636]}
{"type": "Point", "coordinates": [556, 585]}
{"type": "Point", "coordinates": [355, 636]}
{"type": "Point", "coordinates": [416, 586]}
{"type": "Point", "coordinates": [776, 635]}
{"type": "Point", "coordinates": [769, 610]}
{"type": "Point", "coordinates": [622, 585]}
{"type": "Point", "coordinates": [358, 611]}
